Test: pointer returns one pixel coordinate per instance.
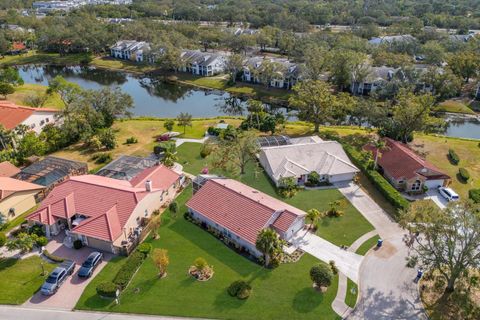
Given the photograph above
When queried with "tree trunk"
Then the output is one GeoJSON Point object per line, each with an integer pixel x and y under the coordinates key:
{"type": "Point", "coordinates": [376, 161]}
{"type": "Point", "coordinates": [317, 128]}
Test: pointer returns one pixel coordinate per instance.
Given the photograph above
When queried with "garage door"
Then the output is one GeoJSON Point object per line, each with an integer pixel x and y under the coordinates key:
{"type": "Point", "coordinates": [432, 184]}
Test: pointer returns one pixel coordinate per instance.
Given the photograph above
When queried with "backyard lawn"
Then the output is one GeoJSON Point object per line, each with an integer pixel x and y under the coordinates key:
{"type": "Point", "coordinates": [340, 231]}
{"type": "Point", "coordinates": [285, 292]}
{"type": "Point", "coordinates": [20, 279]}
{"type": "Point", "coordinates": [22, 92]}
{"type": "Point", "coordinates": [436, 149]}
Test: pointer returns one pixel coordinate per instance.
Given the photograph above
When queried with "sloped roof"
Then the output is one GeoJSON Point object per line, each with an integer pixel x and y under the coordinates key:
{"type": "Point", "coordinates": [11, 115]}
{"type": "Point", "coordinates": [324, 157]}
{"type": "Point", "coordinates": [9, 186]}
{"type": "Point", "coordinates": [201, 58]}
{"type": "Point", "coordinates": [106, 203]}
{"type": "Point", "coordinates": [7, 169]}
{"type": "Point", "coordinates": [399, 161]}
{"type": "Point", "coordinates": [241, 209]}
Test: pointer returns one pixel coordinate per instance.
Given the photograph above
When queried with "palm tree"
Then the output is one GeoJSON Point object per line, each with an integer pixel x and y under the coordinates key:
{"type": "Point", "coordinates": [380, 146]}
{"type": "Point", "coordinates": [267, 243]}
{"type": "Point", "coordinates": [313, 215]}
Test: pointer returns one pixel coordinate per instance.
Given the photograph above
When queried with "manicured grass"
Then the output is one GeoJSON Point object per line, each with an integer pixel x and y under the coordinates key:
{"type": "Point", "coordinates": [23, 91]}
{"type": "Point", "coordinates": [351, 297]}
{"type": "Point", "coordinates": [282, 293]}
{"type": "Point", "coordinates": [20, 279]}
{"type": "Point", "coordinates": [34, 57]}
{"type": "Point", "coordinates": [343, 230]}
{"type": "Point", "coordinates": [367, 245]}
{"type": "Point", "coordinates": [220, 82]}
{"type": "Point", "coordinates": [125, 65]}
{"type": "Point", "coordinates": [18, 220]}
{"type": "Point", "coordinates": [145, 131]}
{"type": "Point", "coordinates": [436, 149]}
{"type": "Point", "coordinates": [454, 106]}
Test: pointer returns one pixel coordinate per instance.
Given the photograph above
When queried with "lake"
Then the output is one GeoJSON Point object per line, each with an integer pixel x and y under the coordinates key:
{"type": "Point", "coordinates": [156, 98]}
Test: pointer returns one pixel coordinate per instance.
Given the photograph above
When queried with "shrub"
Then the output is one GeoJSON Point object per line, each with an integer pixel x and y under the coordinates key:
{"type": "Point", "coordinates": [3, 239]}
{"type": "Point", "coordinates": [239, 289]}
{"type": "Point", "coordinates": [103, 157]}
{"type": "Point", "coordinates": [464, 174]}
{"type": "Point", "coordinates": [52, 257]}
{"type": "Point", "coordinates": [453, 156]}
{"type": "Point", "coordinates": [314, 178]}
{"type": "Point", "coordinates": [37, 230]}
{"type": "Point", "coordinates": [474, 194]}
{"type": "Point", "coordinates": [200, 263]}
{"type": "Point", "coordinates": [333, 266]}
{"type": "Point", "coordinates": [131, 140]}
{"type": "Point", "coordinates": [126, 272]}
{"type": "Point", "coordinates": [213, 131]}
{"type": "Point", "coordinates": [173, 207]}
{"type": "Point", "coordinates": [77, 244]}
{"type": "Point", "coordinates": [42, 241]}
{"type": "Point", "coordinates": [144, 248]}
{"type": "Point", "coordinates": [107, 289]}
{"type": "Point", "coordinates": [387, 190]}
{"type": "Point", "coordinates": [321, 274]}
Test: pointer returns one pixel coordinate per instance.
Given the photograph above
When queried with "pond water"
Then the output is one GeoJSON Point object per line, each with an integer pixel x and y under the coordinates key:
{"type": "Point", "coordinates": [160, 99]}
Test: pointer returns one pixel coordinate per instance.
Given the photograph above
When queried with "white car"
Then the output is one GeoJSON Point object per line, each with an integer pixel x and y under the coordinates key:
{"type": "Point", "coordinates": [448, 194]}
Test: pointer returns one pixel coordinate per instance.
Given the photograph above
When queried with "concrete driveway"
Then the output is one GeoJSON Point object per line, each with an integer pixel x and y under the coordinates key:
{"type": "Point", "coordinates": [437, 198]}
{"type": "Point", "coordinates": [347, 262]}
{"type": "Point", "coordinates": [71, 290]}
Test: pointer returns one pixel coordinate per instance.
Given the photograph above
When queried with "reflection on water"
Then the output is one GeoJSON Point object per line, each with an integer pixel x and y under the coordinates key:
{"type": "Point", "coordinates": [463, 127]}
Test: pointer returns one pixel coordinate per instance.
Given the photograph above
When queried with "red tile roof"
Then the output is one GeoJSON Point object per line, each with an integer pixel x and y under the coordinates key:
{"type": "Point", "coordinates": [9, 186]}
{"type": "Point", "coordinates": [399, 161]}
{"type": "Point", "coordinates": [107, 203]}
{"type": "Point", "coordinates": [7, 169]}
{"type": "Point", "coordinates": [241, 209]}
{"type": "Point", "coordinates": [18, 46]}
{"type": "Point", "coordinates": [11, 115]}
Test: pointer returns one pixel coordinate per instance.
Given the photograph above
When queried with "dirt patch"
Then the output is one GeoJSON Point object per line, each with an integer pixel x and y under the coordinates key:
{"type": "Point", "coordinates": [385, 251]}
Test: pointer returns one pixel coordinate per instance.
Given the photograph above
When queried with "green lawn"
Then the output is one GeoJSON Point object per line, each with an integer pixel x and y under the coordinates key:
{"type": "Point", "coordinates": [282, 293]}
{"type": "Point", "coordinates": [454, 106]}
{"type": "Point", "coordinates": [340, 231]}
{"type": "Point", "coordinates": [34, 57]}
{"type": "Point", "coordinates": [125, 65]}
{"type": "Point", "coordinates": [22, 92]}
{"type": "Point", "coordinates": [20, 279]}
{"type": "Point", "coordinates": [18, 220]}
{"type": "Point", "coordinates": [351, 297]}
{"type": "Point", "coordinates": [367, 245]}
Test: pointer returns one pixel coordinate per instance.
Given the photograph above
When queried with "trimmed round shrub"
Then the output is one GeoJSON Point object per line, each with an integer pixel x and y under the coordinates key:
{"type": "Point", "coordinates": [131, 140]}
{"type": "Point", "coordinates": [3, 239]}
{"type": "Point", "coordinates": [77, 244]}
{"type": "Point", "coordinates": [321, 274]}
{"type": "Point", "coordinates": [42, 241]}
{"type": "Point", "coordinates": [453, 156]}
{"type": "Point", "coordinates": [144, 248]}
{"type": "Point", "coordinates": [474, 194]}
{"type": "Point", "coordinates": [240, 289]}
{"type": "Point", "coordinates": [173, 207]}
{"type": "Point", "coordinates": [107, 289]}
{"type": "Point", "coordinates": [464, 174]}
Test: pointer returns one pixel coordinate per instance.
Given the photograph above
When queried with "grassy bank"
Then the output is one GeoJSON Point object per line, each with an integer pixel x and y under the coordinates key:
{"type": "Point", "coordinates": [34, 57]}
{"type": "Point", "coordinates": [24, 91]}
{"type": "Point", "coordinates": [454, 106]}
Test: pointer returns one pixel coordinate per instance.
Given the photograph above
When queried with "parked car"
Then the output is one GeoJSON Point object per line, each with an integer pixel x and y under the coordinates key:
{"type": "Point", "coordinates": [54, 281]}
{"type": "Point", "coordinates": [448, 194]}
{"type": "Point", "coordinates": [89, 265]}
{"type": "Point", "coordinates": [68, 265]}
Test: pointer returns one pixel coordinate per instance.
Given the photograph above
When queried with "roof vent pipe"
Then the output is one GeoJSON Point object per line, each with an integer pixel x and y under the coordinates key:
{"type": "Point", "coordinates": [148, 185]}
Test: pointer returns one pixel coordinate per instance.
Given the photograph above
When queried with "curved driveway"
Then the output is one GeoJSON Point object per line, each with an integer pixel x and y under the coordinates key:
{"type": "Point", "coordinates": [386, 284]}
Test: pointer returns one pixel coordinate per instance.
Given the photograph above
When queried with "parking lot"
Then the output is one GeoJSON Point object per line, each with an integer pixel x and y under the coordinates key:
{"type": "Point", "coordinates": [71, 290]}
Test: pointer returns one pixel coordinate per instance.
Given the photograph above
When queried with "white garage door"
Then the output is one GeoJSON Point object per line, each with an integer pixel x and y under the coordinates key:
{"type": "Point", "coordinates": [432, 184]}
{"type": "Point", "coordinates": [341, 177]}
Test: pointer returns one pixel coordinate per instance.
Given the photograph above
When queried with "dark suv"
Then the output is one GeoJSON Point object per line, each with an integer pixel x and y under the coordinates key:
{"type": "Point", "coordinates": [89, 265]}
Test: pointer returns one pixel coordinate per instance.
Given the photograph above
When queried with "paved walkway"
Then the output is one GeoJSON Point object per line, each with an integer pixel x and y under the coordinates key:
{"type": "Point", "coordinates": [387, 290]}
{"type": "Point", "coordinates": [17, 313]}
{"type": "Point", "coordinates": [347, 262]}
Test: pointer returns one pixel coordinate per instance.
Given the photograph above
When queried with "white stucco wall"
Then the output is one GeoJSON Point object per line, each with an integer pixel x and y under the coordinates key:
{"type": "Point", "coordinates": [39, 119]}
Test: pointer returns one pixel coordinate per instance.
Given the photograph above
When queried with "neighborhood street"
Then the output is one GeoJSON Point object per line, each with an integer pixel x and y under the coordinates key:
{"type": "Point", "coordinates": [386, 284]}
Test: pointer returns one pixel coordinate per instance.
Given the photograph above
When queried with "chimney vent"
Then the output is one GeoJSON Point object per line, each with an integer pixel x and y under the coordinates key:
{"type": "Point", "coordinates": [148, 185]}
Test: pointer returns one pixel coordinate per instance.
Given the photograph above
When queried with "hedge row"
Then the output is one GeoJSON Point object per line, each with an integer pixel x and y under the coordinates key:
{"type": "Point", "coordinates": [388, 191]}
{"type": "Point", "coordinates": [127, 271]}
{"type": "Point", "coordinates": [107, 289]}
{"type": "Point", "coordinates": [52, 257]}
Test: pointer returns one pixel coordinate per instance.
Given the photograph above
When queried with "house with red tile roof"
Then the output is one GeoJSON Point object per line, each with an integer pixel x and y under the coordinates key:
{"type": "Point", "coordinates": [105, 213]}
{"type": "Point", "coordinates": [406, 170]}
{"type": "Point", "coordinates": [12, 115]}
{"type": "Point", "coordinates": [17, 196]}
{"type": "Point", "coordinates": [8, 170]}
{"type": "Point", "coordinates": [240, 212]}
